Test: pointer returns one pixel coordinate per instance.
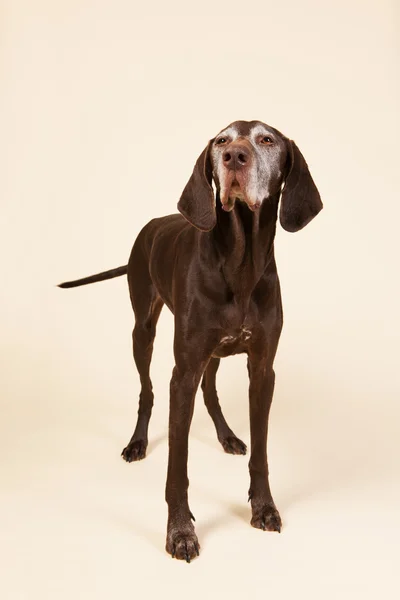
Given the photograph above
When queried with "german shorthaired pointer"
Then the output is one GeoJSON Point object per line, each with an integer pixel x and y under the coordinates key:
{"type": "Point", "coordinates": [214, 267]}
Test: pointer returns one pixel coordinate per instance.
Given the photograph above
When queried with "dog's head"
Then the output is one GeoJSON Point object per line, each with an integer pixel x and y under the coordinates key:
{"type": "Point", "coordinates": [250, 162]}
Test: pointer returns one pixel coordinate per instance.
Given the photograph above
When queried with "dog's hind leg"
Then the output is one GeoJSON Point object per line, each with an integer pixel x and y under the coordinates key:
{"type": "Point", "coordinates": [230, 443]}
{"type": "Point", "coordinates": [147, 306]}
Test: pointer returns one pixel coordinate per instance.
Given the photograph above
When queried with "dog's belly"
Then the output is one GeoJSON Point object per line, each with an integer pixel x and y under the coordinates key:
{"type": "Point", "coordinates": [225, 350]}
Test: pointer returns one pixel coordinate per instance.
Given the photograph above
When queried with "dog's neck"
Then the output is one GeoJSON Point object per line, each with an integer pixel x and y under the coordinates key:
{"type": "Point", "coordinates": [244, 242]}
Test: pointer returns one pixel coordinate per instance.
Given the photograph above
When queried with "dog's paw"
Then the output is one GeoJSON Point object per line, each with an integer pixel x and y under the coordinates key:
{"type": "Point", "coordinates": [267, 518]}
{"type": "Point", "coordinates": [134, 451]}
{"type": "Point", "coordinates": [182, 545]}
{"type": "Point", "coordinates": [232, 445]}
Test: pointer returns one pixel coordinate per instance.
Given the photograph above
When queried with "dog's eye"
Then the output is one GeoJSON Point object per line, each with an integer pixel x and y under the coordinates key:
{"type": "Point", "coordinates": [267, 140]}
{"type": "Point", "coordinates": [221, 141]}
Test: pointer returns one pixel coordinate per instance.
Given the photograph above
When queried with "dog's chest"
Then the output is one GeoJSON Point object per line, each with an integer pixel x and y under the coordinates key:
{"type": "Point", "coordinates": [236, 323]}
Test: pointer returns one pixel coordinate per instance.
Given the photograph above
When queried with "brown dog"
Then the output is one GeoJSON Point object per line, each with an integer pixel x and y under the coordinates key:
{"type": "Point", "coordinates": [215, 270]}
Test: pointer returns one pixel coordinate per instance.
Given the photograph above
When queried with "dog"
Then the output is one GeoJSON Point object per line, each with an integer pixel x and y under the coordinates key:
{"type": "Point", "coordinates": [213, 265]}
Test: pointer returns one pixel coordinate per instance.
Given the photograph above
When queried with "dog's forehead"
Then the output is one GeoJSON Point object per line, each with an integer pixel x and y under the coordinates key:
{"type": "Point", "coordinates": [245, 128]}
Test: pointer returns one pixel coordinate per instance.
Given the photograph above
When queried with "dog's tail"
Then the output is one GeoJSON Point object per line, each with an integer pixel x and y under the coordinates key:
{"type": "Point", "coordinates": [94, 278]}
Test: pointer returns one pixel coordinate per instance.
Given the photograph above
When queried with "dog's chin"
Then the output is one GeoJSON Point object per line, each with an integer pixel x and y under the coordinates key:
{"type": "Point", "coordinates": [234, 187]}
{"type": "Point", "coordinates": [237, 193]}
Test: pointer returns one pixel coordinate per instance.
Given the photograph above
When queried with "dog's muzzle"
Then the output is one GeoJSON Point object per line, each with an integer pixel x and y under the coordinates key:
{"type": "Point", "coordinates": [237, 163]}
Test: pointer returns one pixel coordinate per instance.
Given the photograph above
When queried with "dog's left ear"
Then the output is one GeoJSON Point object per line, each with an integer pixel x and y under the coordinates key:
{"type": "Point", "coordinates": [300, 201]}
{"type": "Point", "coordinates": [197, 203]}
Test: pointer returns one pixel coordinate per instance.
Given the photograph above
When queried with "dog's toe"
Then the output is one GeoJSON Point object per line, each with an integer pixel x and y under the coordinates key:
{"type": "Point", "coordinates": [135, 450]}
{"type": "Point", "coordinates": [183, 546]}
{"type": "Point", "coordinates": [232, 445]}
{"type": "Point", "coordinates": [267, 518]}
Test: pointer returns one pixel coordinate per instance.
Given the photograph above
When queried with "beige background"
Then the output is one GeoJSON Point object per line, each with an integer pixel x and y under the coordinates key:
{"type": "Point", "coordinates": [106, 106]}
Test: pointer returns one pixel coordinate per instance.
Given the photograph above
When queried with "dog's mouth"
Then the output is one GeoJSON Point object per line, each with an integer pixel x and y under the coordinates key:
{"type": "Point", "coordinates": [235, 187]}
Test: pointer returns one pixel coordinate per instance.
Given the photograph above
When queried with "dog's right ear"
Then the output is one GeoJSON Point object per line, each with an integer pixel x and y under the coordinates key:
{"type": "Point", "coordinates": [197, 203]}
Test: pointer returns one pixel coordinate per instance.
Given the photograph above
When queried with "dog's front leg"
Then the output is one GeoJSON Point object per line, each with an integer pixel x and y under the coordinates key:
{"type": "Point", "coordinates": [262, 379]}
{"type": "Point", "coordinates": [190, 364]}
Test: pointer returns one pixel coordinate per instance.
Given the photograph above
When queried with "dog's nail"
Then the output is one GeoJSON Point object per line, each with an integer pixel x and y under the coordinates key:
{"type": "Point", "coordinates": [196, 547]}
{"type": "Point", "coordinates": [187, 554]}
{"type": "Point", "coordinates": [192, 517]}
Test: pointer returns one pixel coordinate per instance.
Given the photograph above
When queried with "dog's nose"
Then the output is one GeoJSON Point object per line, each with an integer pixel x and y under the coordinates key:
{"type": "Point", "coordinates": [236, 157]}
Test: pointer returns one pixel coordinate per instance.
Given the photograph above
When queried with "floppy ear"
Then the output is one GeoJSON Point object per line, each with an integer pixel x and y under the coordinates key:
{"type": "Point", "coordinates": [300, 201]}
{"type": "Point", "coordinates": [197, 203]}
